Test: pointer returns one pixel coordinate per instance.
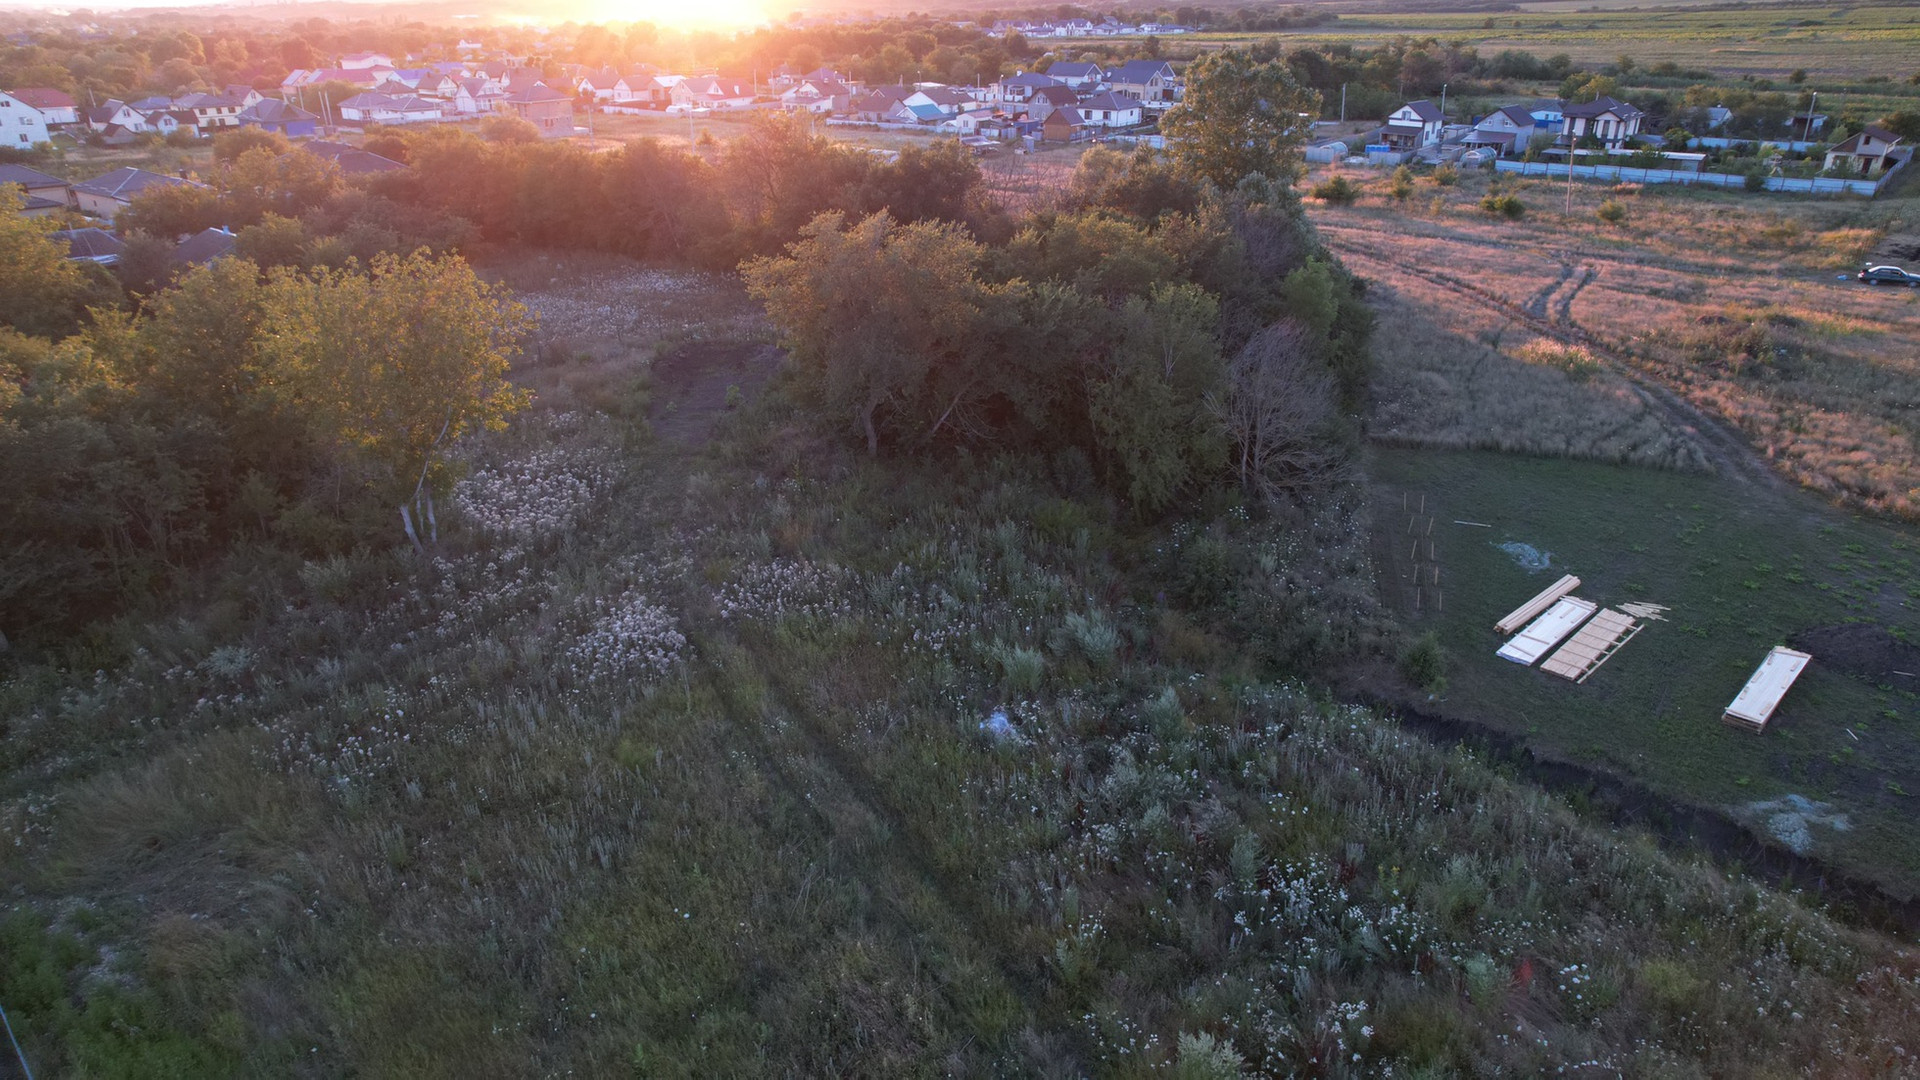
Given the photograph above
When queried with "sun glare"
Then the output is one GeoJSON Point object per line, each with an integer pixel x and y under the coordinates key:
{"type": "Point", "coordinates": [679, 14]}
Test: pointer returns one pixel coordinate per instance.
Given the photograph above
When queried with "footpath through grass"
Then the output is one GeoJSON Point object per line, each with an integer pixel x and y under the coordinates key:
{"type": "Point", "coordinates": [1743, 569]}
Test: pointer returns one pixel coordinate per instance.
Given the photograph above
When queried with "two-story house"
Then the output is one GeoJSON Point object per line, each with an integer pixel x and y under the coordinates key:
{"type": "Point", "coordinates": [22, 126]}
{"type": "Point", "coordinates": [1867, 154]}
{"type": "Point", "coordinates": [1111, 110]}
{"type": "Point", "coordinates": [1414, 126]}
{"type": "Point", "coordinates": [1506, 131]}
{"type": "Point", "coordinates": [1150, 82]}
{"type": "Point", "coordinates": [1606, 119]}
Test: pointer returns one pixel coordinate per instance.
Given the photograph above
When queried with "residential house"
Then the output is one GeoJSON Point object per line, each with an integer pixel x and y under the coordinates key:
{"type": "Point", "coordinates": [475, 96]}
{"type": "Point", "coordinates": [392, 87]}
{"type": "Point", "coordinates": [883, 105]}
{"type": "Point", "coordinates": [106, 195]}
{"type": "Point", "coordinates": [203, 247]}
{"type": "Point", "coordinates": [544, 107]}
{"type": "Point", "coordinates": [643, 89]}
{"type": "Point", "coordinates": [212, 110]}
{"type": "Point", "coordinates": [21, 125]}
{"type": "Point", "coordinates": [90, 245]}
{"type": "Point", "coordinates": [352, 160]}
{"type": "Point", "coordinates": [248, 95]}
{"type": "Point", "coordinates": [818, 97]}
{"type": "Point", "coordinates": [469, 48]}
{"type": "Point", "coordinates": [364, 78]}
{"type": "Point", "coordinates": [1020, 88]}
{"type": "Point", "coordinates": [1065, 125]}
{"type": "Point", "coordinates": [1506, 131]}
{"type": "Point", "coordinates": [950, 100]}
{"type": "Point", "coordinates": [826, 74]}
{"type": "Point", "coordinates": [968, 123]}
{"type": "Point", "coordinates": [166, 122]}
{"type": "Point", "coordinates": [372, 108]}
{"type": "Point", "coordinates": [712, 92]}
{"type": "Point", "coordinates": [1549, 114]}
{"type": "Point", "coordinates": [784, 77]}
{"type": "Point", "coordinates": [1111, 110]}
{"type": "Point", "coordinates": [1717, 117]}
{"type": "Point", "coordinates": [1868, 154]}
{"type": "Point", "coordinates": [1048, 98]}
{"type": "Point", "coordinates": [281, 117]}
{"type": "Point", "coordinates": [58, 108]}
{"type": "Point", "coordinates": [1150, 82]}
{"type": "Point", "coordinates": [1413, 126]}
{"type": "Point", "coordinates": [1081, 75]}
{"type": "Point", "coordinates": [1807, 124]}
{"type": "Point", "coordinates": [37, 185]}
{"type": "Point", "coordinates": [1606, 119]}
{"type": "Point", "coordinates": [598, 85]}
{"type": "Point", "coordinates": [366, 61]}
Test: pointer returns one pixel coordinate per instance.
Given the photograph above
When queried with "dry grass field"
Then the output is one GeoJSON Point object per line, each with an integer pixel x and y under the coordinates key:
{"type": "Point", "coordinates": [1717, 302]}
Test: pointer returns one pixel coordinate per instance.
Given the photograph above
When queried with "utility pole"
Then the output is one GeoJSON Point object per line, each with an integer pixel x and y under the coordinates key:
{"type": "Point", "coordinates": [1343, 103]}
{"type": "Point", "coordinates": [1443, 104]}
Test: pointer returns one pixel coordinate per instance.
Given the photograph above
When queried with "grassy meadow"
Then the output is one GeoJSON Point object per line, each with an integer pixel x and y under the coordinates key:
{"type": "Point", "coordinates": [1845, 43]}
{"type": "Point", "coordinates": [722, 748]}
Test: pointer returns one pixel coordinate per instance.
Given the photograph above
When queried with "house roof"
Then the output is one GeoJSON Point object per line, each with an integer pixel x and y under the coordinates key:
{"type": "Point", "coordinates": [946, 96]}
{"type": "Point", "coordinates": [238, 91]}
{"type": "Point", "coordinates": [1601, 106]}
{"type": "Point", "coordinates": [203, 247]}
{"type": "Point", "coordinates": [42, 97]}
{"type": "Point", "coordinates": [823, 74]}
{"type": "Point", "coordinates": [105, 113]}
{"type": "Point", "coordinates": [1877, 132]}
{"type": "Point", "coordinates": [1111, 100]}
{"type": "Point", "coordinates": [928, 112]}
{"type": "Point", "coordinates": [209, 101]}
{"type": "Point", "coordinates": [90, 243]}
{"type": "Point", "coordinates": [125, 183]}
{"type": "Point", "coordinates": [876, 103]}
{"type": "Point", "coordinates": [352, 160]}
{"type": "Point", "coordinates": [1069, 116]}
{"type": "Point", "coordinates": [1519, 116]}
{"type": "Point", "coordinates": [1057, 95]}
{"type": "Point", "coordinates": [535, 94]}
{"type": "Point", "coordinates": [40, 202]}
{"type": "Point", "coordinates": [270, 111]}
{"type": "Point", "coordinates": [1852, 145]}
{"type": "Point", "coordinates": [1427, 111]}
{"type": "Point", "coordinates": [28, 178]}
{"type": "Point", "coordinates": [822, 88]}
{"type": "Point", "coordinates": [1074, 69]}
{"type": "Point", "coordinates": [1138, 72]}
{"type": "Point", "coordinates": [1031, 78]}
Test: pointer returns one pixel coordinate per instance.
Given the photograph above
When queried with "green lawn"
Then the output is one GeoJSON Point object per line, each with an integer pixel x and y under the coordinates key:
{"type": "Point", "coordinates": [1742, 570]}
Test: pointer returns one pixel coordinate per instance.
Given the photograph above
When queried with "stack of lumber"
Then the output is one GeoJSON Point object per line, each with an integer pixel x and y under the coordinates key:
{"type": "Point", "coordinates": [1592, 646]}
{"type": "Point", "coordinates": [1531, 610]}
{"type": "Point", "coordinates": [1754, 705]}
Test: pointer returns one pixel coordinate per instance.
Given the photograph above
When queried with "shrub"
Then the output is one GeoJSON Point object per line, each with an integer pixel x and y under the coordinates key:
{"type": "Point", "coordinates": [1669, 986]}
{"type": "Point", "coordinates": [1445, 176]}
{"type": "Point", "coordinates": [1612, 212]}
{"type": "Point", "coordinates": [1402, 183]}
{"type": "Point", "coordinates": [1424, 663]}
{"type": "Point", "coordinates": [1756, 179]}
{"type": "Point", "coordinates": [1505, 205]}
{"type": "Point", "coordinates": [1338, 191]}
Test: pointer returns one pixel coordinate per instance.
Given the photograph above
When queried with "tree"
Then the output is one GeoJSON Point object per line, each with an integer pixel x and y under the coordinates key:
{"type": "Point", "coordinates": [229, 144]}
{"type": "Point", "coordinates": [264, 181]}
{"type": "Point", "coordinates": [1152, 409]}
{"type": "Point", "coordinates": [1277, 409]}
{"type": "Point", "coordinates": [1238, 118]}
{"type": "Point", "coordinates": [40, 290]}
{"type": "Point", "coordinates": [396, 364]}
{"type": "Point", "coordinates": [869, 311]}
{"type": "Point", "coordinates": [501, 128]}
{"type": "Point", "coordinates": [170, 211]}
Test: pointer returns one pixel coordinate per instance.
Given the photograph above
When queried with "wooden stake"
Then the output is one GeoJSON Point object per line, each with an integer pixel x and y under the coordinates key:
{"type": "Point", "coordinates": [1436, 599]}
{"type": "Point", "coordinates": [1423, 502]}
{"type": "Point", "coordinates": [1416, 598]}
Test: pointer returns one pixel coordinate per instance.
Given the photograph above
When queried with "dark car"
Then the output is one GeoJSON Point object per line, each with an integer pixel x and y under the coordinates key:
{"type": "Point", "coordinates": [1888, 275]}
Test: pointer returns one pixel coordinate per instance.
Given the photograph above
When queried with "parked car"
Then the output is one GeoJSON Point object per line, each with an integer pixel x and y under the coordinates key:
{"type": "Point", "coordinates": [1889, 275]}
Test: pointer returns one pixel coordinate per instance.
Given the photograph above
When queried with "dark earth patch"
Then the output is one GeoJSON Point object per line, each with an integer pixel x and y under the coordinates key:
{"type": "Point", "coordinates": [691, 385]}
{"type": "Point", "coordinates": [1862, 649]}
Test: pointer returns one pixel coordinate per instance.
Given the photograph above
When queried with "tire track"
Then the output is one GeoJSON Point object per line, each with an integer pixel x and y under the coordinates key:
{"type": "Point", "coordinates": [1731, 455]}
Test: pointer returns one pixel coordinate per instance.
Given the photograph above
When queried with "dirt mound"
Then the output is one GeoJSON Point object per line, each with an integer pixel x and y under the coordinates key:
{"type": "Point", "coordinates": [1861, 649]}
{"type": "Point", "coordinates": [1899, 247]}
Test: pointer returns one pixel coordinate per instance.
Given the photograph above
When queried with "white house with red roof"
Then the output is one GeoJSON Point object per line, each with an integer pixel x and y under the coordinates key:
{"type": "Point", "coordinates": [57, 107]}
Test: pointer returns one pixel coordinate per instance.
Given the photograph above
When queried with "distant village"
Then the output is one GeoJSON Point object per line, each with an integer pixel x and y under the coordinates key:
{"type": "Point", "coordinates": [1071, 101]}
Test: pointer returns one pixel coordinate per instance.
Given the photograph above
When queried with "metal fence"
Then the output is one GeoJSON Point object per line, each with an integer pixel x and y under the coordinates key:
{"type": "Point", "coordinates": [1818, 185]}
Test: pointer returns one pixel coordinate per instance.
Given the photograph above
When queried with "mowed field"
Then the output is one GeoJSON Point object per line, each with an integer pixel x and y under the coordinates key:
{"type": "Point", "coordinates": [1688, 409]}
{"type": "Point", "coordinates": [1768, 40]}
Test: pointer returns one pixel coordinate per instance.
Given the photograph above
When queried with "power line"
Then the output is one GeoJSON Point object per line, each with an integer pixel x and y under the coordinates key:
{"type": "Point", "coordinates": [19, 1054]}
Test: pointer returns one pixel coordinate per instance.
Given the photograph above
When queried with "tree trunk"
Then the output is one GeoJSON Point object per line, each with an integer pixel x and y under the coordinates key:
{"type": "Point", "coordinates": [873, 436]}
{"type": "Point", "coordinates": [406, 522]}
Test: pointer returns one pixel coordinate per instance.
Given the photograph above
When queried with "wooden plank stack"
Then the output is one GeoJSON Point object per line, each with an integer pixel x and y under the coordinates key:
{"type": "Point", "coordinates": [1754, 705]}
{"type": "Point", "coordinates": [1530, 610]}
{"type": "Point", "coordinates": [1547, 631]}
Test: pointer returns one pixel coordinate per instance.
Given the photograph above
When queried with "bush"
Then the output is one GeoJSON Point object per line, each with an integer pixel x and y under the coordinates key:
{"type": "Point", "coordinates": [1445, 176]}
{"type": "Point", "coordinates": [1402, 183]}
{"type": "Point", "coordinates": [1756, 180]}
{"type": "Point", "coordinates": [1507, 206]}
{"type": "Point", "coordinates": [1612, 212]}
{"type": "Point", "coordinates": [1338, 191]}
{"type": "Point", "coordinates": [1424, 663]}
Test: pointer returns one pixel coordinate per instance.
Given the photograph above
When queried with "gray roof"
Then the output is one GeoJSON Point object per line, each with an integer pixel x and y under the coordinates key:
{"type": "Point", "coordinates": [1600, 106]}
{"type": "Point", "coordinates": [123, 184]}
{"type": "Point", "coordinates": [90, 243]}
{"type": "Point", "coordinates": [1111, 100]}
{"type": "Point", "coordinates": [203, 247]}
{"type": "Point", "coordinates": [351, 159]}
{"type": "Point", "coordinates": [28, 178]}
{"type": "Point", "coordinates": [1427, 111]}
{"type": "Point", "coordinates": [1137, 72]}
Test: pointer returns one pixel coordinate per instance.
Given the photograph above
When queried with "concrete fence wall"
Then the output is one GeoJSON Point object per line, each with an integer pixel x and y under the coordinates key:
{"type": "Point", "coordinates": [1818, 185]}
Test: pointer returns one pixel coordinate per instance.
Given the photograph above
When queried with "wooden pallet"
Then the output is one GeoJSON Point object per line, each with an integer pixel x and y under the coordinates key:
{"type": "Point", "coordinates": [1594, 645]}
{"type": "Point", "coordinates": [1754, 705]}
{"type": "Point", "coordinates": [1528, 611]}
